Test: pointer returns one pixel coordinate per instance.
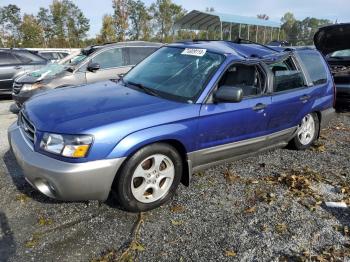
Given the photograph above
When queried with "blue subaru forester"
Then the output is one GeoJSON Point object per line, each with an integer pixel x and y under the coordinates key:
{"type": "Point", "coordinates": [186, 107]}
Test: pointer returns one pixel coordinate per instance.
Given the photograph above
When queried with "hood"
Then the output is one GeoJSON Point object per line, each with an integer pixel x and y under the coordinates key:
{"type": "Point", "coordinates": [332, 38]}
{"type": "Point", "coordinates": [46, 73]}
{"type": "Point", "coordinates": [84, 109]}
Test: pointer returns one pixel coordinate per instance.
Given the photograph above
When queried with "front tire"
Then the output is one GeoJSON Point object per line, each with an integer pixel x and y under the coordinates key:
{"type": "Point", "coordinates": [307, 132]}
{"type": "Point", "coordinates": [149, 178]}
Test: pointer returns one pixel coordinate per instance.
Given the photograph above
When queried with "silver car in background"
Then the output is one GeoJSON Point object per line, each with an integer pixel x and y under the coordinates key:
{"type": "Point", "coordinates": [92, 64]}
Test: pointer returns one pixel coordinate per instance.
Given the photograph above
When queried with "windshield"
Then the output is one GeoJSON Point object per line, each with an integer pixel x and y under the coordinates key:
{"type": "Point", "coordinates": [175, 73]}
{"type": "Point", "coordinates": [55, 68]}
{"type": "Point", "coordinates": [341, 53]}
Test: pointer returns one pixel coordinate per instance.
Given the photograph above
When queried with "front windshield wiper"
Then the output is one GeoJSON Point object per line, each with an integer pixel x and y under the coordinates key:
{"type": "Point", "coordinates": [142, 87]}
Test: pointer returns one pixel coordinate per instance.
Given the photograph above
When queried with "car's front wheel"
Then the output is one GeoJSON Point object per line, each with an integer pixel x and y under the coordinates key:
{"type": "Point", "coordinates": [307, 132]}
{"type": "Point", "coordinates": [149, 178]}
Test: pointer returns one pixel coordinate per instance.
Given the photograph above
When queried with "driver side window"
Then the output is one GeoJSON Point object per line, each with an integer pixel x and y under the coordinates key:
{"type": "Point", "coordinates": [250, 78]}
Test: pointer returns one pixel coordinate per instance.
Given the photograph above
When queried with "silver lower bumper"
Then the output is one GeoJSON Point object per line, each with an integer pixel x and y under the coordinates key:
{"type": "Point", "coordinates": [63, 180]}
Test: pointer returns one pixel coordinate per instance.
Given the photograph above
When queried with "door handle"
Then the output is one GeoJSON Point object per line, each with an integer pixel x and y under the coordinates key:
{"type": "Point", "coordinates": [18, 67]}
{"type": "Point", "coordinates": [259, 106]}
{"type": "Point", "coordinates": [304, 98]}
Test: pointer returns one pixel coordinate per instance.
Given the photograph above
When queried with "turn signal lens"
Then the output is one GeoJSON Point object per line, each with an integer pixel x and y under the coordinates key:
{"type": "Point", "coordinates": [75, 151]}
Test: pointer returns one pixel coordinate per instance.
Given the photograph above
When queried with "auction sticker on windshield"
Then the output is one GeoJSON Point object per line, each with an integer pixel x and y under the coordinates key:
{"type": "Point", "coordinates": [194, 51]}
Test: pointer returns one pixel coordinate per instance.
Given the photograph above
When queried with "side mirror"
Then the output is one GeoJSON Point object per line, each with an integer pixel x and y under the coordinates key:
{"type": "Point", "coordinates": [93, 67]}
{"type": "Point", "coordinates": [230, 94]}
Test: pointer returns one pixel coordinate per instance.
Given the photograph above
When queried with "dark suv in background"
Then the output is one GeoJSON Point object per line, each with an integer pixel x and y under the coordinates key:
{"type": "Point", "coordinates": [14, 63]}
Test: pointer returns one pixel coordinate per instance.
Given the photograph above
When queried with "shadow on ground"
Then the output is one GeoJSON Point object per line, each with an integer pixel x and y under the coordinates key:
{"type": "Point", "coordinates": [7, 242]}
{"type": "Point", "coordinates": [341, 214]}
{"type": "Point", "coordinates": [21, 184]}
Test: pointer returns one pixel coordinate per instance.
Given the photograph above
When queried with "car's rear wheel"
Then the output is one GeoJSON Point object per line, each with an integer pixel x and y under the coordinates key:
{"type": "Point", "coordinates": [307, 132]}
{"type": "Point", "coordinates": [149, 178]}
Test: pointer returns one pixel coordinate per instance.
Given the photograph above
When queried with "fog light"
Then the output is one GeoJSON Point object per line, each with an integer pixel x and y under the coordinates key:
{"type": "Point", "coordinates": [45, 187]}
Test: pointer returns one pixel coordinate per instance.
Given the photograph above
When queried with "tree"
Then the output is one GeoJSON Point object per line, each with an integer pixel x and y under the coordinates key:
{"type": "Point", "coordinates": [120, 18]}
{"type": "Point", "coordinates": [59, 14]}
{"type": "Point", "coordinates": [31, 31]}
{"type": "Point", "coordinates": [140, 19]}
{"type": "Point", "coordinates": [10, 21]}
{"type": "Point", "coordinates": [77, 24]}
{"type": "Point", "coordinates": [45, 20]}
{"type": "Point", "coordinates": [291, 27]}
{"type": "Point", "coordinates": [70, 25]}
{"type": "Point", "coordinates": [165, 13]}
{"type": "Point", "coordinates": [108, 32]}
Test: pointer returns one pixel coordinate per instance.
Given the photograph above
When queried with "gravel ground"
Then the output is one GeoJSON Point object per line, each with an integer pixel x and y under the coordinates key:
{"type": "Point", "coordinates": [265, 208]}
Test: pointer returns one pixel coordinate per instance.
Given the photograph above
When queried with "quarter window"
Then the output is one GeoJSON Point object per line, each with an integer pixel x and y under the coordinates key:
{"type": "Point", "coordinates": [286, 75]}
{"type": "Point", "coordinates": [109, 58]}
{"type": "Point", "coordinates": [314, 66]}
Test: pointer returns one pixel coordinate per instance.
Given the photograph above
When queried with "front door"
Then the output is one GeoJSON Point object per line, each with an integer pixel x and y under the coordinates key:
{"type": "Point", "coordinates": [230, 129]}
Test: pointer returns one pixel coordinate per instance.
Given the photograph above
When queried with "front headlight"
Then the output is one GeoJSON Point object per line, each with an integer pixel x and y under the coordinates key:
{"type": "Point", "coordinates": [29, 87]}
{"type": "Point", "coordinates": [66, 145]}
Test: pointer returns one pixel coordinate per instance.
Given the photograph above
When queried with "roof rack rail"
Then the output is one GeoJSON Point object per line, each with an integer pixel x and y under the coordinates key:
{"type": "Point", "coordinates": [240, 40]}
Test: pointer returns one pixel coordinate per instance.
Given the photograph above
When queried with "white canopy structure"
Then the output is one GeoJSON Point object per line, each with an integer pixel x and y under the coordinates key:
{"type": "Point", "coordinates": [200, 20]}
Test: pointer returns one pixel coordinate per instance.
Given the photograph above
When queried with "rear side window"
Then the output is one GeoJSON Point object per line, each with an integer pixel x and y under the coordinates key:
{"type": "Point", "coordinates": [286, 75]}
{"type": "Point", "coordinates": [8, 59]}
{"type": "Point", "coordinates": [109, 58]}
{"type": "Point", "coordinates": [28, 57]}
{"type": "Point", "coordinates": [137, 54]}
{"type": "Point", "coordinates": [313, 63]}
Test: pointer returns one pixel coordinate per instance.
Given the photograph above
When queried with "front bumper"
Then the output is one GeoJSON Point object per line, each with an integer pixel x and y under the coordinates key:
{"type": "Point", "coordinates": [63, 180]}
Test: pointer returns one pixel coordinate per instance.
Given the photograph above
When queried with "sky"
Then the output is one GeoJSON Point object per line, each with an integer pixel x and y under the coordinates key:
{"type": "Point", "coordinates": [275, 9]}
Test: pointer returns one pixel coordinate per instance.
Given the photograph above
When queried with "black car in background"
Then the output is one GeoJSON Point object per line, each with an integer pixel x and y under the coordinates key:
{"type": "Point", "coordinates": [14, 63]}
{"type": "Point", "coordinates": [334, 42]}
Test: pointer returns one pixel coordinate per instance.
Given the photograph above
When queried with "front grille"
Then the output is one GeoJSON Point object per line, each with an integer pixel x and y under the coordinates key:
{"type": "Point", "coordinates": [27, 127]}
{"type": "Point", "coordinates": [16, 87]}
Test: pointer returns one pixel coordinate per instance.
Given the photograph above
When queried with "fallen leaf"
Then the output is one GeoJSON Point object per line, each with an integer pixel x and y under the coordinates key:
{"type": "Point", "coordinates": [281, 228]}
{"type": "Point", "coordinates": [177, 208]}
{"type": "Point", "coordinates": [230, 178]}
{"type": "Point", "coordinates": [250, 210]}
{"type": "Point", "coordinates": [136, 246]}
{"type": "Point", "coordinates": [230, 253]}
{"type": "Point", "coordinates": [22, 198]}
{"type": "Point", "coordinates": [176, 222]}
{"type": "Point", "coordinates": [43, 221]}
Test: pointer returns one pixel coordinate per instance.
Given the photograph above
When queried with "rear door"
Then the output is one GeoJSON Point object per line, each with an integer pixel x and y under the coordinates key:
{"type": "Point", "coordinates": [111, 63]}
{"type": "Point", "coordinates": [292, 97]}
{"type": "Point", "coordinates": [10, 66]}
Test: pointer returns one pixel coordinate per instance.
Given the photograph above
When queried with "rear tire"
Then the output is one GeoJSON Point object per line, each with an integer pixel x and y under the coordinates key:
{"type": "Point", "coordinates": [307, 132]}
{"type": "Point", "coordinates": [149, 178]}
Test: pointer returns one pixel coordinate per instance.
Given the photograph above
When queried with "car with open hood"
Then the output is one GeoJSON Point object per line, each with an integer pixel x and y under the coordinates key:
{"type": "Point", "coordinates": [93, 64]}
{"type": "Point", "coordinates": [334, 43]}
{"type": "Point", "coordinates": [186, 107]}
